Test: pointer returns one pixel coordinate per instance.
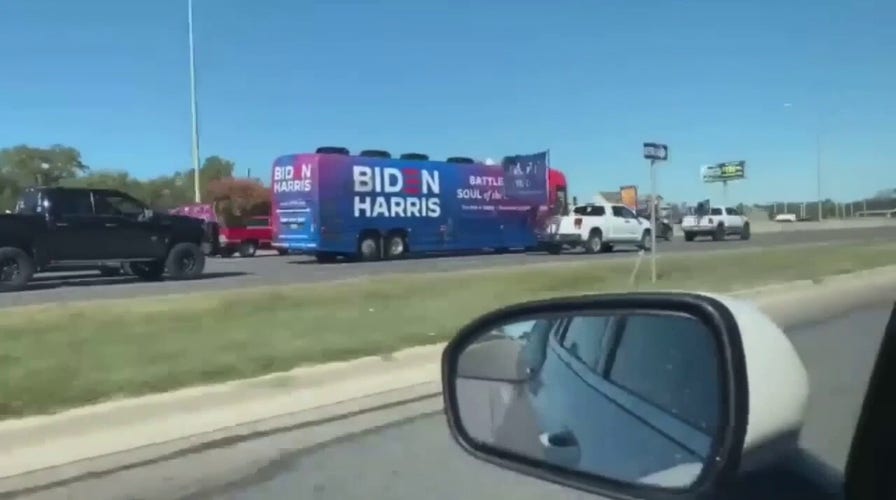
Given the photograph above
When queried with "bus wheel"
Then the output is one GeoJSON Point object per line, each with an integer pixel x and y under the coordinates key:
{"type": "Point", "coordinates": [369, 247]}
{"type": "Point", "coordinates": [395, 246]}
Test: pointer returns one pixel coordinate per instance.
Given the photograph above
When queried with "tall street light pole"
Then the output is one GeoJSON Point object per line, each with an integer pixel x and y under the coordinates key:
{"type": "Point", "coordinates": [193, 105]}
{"type": "Point", "coordinates": [817, 164]}
{"type": "Point", "coordinates": [818, 171]}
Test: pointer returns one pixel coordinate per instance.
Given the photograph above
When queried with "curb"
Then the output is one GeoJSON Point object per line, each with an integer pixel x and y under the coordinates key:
{"type": "Point", "coordinates": [46, 450]}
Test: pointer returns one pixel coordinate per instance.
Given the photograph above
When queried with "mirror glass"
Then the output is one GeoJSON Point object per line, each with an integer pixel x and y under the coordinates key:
{"type": "Point", "coordinates": [629, 396]}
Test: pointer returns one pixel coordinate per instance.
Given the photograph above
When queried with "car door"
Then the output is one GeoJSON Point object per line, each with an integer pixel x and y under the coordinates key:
{"type": "Point", "coordinates": [623, 224]}
{"type": "Point", "coordinates": [733, 218]}
{"type": "Point", "coordinates": [130, 234]}
{"type": "Point", "coordinates": [632, 224]}
{"type": "Point", "coordinates": [74, 232]}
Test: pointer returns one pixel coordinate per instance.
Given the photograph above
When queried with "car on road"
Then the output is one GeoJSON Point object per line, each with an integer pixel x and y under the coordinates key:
{"type": "Point", "coordinates": [596, 227]}
{"type": "Point", "coordinates": [715, 222]}
{"type": "Point", "coordinates": [245, 238]}
{"type": "Point", "coordinates": [55, 228]}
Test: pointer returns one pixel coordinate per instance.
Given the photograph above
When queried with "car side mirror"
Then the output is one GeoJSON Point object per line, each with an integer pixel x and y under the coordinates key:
{"type": "Point", "coordinates": [634, 395]}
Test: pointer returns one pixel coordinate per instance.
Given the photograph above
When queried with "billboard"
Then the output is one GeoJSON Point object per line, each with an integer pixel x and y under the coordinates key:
{"type": "Point", "coordinates": [724, 172]}
{"type": "Point", "coordinates": [629, 197]}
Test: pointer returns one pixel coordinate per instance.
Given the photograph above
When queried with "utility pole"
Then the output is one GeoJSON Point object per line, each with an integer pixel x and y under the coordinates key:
{"type": "Point", "coordinates": [193, 106]}
{"type": "Point", "coordinates": [818, 172]}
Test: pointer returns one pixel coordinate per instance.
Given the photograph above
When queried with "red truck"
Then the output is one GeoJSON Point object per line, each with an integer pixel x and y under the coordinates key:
{"type": "Point", "coordinates": [244, 240]}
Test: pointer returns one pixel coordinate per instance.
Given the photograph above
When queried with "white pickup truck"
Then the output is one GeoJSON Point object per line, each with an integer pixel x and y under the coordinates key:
{"type": "Point", "coordinates": [717, 222]}
{"type": "Point", "coordinates": [596, 227]}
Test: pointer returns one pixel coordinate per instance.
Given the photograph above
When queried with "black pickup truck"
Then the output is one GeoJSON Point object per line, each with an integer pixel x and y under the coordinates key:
{"type": "Point", "coordinates": [55, 228]}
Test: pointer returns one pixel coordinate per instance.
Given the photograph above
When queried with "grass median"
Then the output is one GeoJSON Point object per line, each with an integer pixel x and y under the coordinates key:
{"type": "Point", "coordinates": [57, 356]}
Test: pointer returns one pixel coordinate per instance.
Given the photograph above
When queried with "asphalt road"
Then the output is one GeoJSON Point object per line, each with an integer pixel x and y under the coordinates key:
{"type": "Point", "coordinates": [416, 458]}
{"type": "Point", "coordinates": [236, 273]}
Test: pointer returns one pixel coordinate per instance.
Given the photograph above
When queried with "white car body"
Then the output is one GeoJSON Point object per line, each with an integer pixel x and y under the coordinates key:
{"type": "Point", "coordinates": [597, 227]}
{"type": "Point", "coordinates": [718, 223]}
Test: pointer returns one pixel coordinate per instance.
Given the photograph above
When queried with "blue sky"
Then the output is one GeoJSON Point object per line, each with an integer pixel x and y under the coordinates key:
{"type": "Point", "coordinates": [589, 79]}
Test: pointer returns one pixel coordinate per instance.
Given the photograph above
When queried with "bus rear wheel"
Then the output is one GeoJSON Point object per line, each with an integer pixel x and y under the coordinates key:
{"type": "Point", "coordinates": [369, 248]}
{"type": "Point", "coordinates": [396, 246]}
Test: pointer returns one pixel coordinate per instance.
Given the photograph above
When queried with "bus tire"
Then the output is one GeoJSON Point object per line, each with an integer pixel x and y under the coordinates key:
{"type": "Point", "coordinates": [396, 246]}
{"type": "Point", "coordinates": [369, 247]}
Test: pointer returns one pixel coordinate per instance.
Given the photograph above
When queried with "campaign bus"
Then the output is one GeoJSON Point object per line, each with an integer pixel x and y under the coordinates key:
{"type": "Point", "coordinates": [372, 206]}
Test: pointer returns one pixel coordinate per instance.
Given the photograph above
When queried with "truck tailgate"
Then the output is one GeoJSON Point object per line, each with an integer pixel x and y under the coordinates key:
{"type": "Point", "coordinates": [569, 225]}
{"type": "Point", "coordinates": [695, 221]}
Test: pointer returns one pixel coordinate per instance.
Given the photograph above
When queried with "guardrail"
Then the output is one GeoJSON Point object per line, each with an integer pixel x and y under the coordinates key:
{"type": "Point", "coordinates": [876, 213]}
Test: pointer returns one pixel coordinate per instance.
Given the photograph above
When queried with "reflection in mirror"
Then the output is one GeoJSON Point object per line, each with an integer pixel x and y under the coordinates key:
{"type": "Point", "coordinates": [629, 396]}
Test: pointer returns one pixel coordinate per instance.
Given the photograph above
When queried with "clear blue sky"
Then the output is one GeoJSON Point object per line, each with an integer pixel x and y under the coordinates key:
{"type": "Point", "coordinates": [589, 79]}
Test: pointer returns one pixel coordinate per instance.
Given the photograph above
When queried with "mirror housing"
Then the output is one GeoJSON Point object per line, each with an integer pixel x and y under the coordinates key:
{"type": "Point", "coordinates": [756, 422]}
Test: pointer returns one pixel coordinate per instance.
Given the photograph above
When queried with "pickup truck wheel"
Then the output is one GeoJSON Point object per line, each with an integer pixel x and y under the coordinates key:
{"type": "Point", "coordinates": [745, 232]}
{"type": "Point", "coordinates": [645, 242]}
{"type": "Point", "coordinates": [719, 233]}
{"type": "Point", "coordinates": [688, 236]}
{"type": "Point", "coordinates": [16, 269]}
{"type": "Point", "coordinates": [148, 271]}
{"type": "Point", "coordinates": [595, 243]}
{"type": "Point", "coordinates": [185, 261]}
{"type": "Point", "coordinates": [248, 249]}
{"type": "Point", "coordinates": [668, 234]}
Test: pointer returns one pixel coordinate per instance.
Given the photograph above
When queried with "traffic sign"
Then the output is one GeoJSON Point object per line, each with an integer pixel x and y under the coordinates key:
{"type": "Point", "coordinates": [656, 152]}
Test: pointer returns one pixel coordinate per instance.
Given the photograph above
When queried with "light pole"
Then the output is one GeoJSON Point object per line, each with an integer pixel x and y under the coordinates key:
{"type": "Point", "coordinates": [818, 171]}
{"type": "Point", "coordinates": [817, 165]}
{"type": "Point", "coordinates": [193, 106]}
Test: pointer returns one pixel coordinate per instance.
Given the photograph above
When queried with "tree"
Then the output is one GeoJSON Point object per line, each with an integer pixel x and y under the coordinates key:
{"type": "Point", "coordinates": [238, 199]}
{"type": "Point", "coordinates": [25, 165]}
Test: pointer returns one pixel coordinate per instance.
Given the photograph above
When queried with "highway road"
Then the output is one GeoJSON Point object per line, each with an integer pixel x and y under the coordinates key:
{"type": "Point", "coordinates": [234, 273]}
{"type": "Point", "coordinates": [416, 458]}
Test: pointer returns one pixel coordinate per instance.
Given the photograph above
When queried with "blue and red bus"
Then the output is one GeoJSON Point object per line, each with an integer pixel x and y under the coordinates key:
{"type": "Point", "coordinates": [371, 206]}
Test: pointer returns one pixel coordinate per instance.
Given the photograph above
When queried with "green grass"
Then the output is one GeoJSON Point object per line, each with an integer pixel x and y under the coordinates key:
{"type": "Point", "coordinates": [57, 356]}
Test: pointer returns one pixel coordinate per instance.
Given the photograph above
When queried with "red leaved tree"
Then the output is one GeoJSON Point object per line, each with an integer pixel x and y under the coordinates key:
{"type": "Point", "coordinates": [238, 199]}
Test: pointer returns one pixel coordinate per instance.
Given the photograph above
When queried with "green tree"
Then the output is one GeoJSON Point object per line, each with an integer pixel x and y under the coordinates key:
{"type": "Point", "coordinates": [23, 166]}
{"type": "Point", "coordinates": [26, 165]}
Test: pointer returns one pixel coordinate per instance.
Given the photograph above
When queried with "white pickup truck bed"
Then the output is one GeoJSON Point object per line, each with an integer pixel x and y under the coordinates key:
{"type": "Point", "coordinates": [718, 223]}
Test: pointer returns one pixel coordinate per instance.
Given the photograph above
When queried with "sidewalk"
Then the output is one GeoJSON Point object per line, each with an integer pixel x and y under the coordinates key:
{"type": "Point", "coordinates": [203, 413]}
